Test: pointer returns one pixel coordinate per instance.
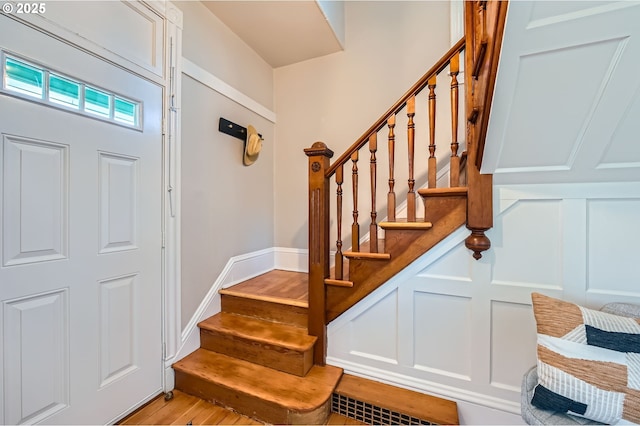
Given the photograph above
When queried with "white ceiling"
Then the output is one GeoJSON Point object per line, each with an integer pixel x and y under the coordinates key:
{"type": "Point", "coordinates": [281, 32]}
{"type": "Point", "coordinates": [567, 100]}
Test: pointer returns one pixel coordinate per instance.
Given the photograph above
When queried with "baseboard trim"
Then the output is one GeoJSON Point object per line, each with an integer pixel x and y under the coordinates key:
{"type": "Point", "coordinates": [291, 259]}
{"type": "Point", "coordinates": [238, 268]}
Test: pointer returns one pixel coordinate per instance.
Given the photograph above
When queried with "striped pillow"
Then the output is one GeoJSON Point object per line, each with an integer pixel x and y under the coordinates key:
{"type": "Point", "coordinates": [588, 361]}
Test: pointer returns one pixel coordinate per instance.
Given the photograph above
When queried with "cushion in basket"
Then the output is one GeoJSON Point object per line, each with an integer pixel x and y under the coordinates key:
{"type": "Point", "coordinates": [588, 361]}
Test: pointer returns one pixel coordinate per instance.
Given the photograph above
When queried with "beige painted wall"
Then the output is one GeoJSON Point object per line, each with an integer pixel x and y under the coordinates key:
{"type": "Point", "coordinates": [335, 98]}
{"type": "Point", "coordinates": [227, 208]}
{"type": "Point", "coordinates": [213, 46]}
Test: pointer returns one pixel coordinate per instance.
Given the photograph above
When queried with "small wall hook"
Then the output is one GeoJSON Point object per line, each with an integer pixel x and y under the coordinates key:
{"type": "Point", "coordinates": [232, 129]}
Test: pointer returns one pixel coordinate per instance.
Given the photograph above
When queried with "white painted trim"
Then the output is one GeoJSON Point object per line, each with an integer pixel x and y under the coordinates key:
{"type": "Point", "coordinates": [569, 190]}
{"type": "Point", "coordinates": [213, 82]}
{"type": "Point", "coordinates": [41, 22]}
{"type": "Point", "coordinates": [171, 176]}
{"type": "Point", "coordinates": [291, 259]}
{"type": "Point", "coordinates": [425, 386]}
{"type": "Point", "coordinates": [456, 12]}
{"type": "Point", "coordinates": [238, 269]}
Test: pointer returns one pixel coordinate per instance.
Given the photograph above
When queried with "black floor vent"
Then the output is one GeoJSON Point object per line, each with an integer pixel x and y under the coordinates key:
{"type": "Point", "coordinates": [371, 414]}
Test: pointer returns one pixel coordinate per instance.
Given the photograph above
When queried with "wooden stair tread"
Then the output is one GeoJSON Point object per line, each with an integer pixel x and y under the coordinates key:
{"type": "Point", "coordinates": [338, 283]}
{"type": "Point", "coordinates": [416, 404]}
{"type": "Point", "coordinates": [300, 394]}
{"type": "Point", "coordinates": [280, 300]}
{"type": "Point", "coordinates": [404, 224]}
{"type": "Point", "coordinates": [443, 192]}
{"type": "Point", "coordinates": [366, 255]}
{"type": "Point", "coordinates": [278, 286]}
{"type": "Point", "coordinates": [267, 332]}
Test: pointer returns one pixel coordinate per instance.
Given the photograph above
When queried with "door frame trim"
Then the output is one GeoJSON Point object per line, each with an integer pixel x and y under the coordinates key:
{"type": "Point", "coordinates": [171, 175]}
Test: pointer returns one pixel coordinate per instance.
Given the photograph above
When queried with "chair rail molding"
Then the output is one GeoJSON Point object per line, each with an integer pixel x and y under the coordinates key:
{"type": "Point", "coordinates": [205, 77]}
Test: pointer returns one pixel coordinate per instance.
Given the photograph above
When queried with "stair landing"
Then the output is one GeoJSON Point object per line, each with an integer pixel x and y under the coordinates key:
{"type": "Point", "coordinates": [286, 287]}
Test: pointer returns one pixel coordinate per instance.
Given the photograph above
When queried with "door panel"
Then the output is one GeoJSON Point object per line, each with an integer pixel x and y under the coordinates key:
{"type": "Point", "coordinates": [80, 278]}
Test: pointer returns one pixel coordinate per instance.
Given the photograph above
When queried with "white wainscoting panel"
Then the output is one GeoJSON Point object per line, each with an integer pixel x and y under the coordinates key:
{"type": "Point", "coordinates": [377, 316]}
{"type": "Point", "coordinates": [580, 128]}
{"type": "Point", "coordinates": [35, 353]}
{"type": "Point", "coordinates": [431, 339]}
{"type": "Point", "coordinates": [613, 233]}
{"type": "Point", "coordinates": [513, 327]}
{"type": "Point", "coordinates": [35, 222]}
{"type": "Point", "coordinates": [465, 328]}
{"type": "Point", "coordinates": [526, 219]}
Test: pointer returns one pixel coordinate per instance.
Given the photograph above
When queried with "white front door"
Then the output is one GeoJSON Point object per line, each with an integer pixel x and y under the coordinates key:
{"type": "Point", "coordinates": [80, 271]}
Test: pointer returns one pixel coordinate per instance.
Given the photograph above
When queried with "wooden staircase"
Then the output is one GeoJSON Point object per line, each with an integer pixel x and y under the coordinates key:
{"type": "Point", "coordinates": [256, 356]}
{"type": "Point", "coordinates": [256, 359]}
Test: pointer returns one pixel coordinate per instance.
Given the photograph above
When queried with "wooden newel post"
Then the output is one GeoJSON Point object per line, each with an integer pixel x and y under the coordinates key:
{"type": "Point", "coordinates": [319, 156]}
{"type": "Point", "coordinates": [482, 59]}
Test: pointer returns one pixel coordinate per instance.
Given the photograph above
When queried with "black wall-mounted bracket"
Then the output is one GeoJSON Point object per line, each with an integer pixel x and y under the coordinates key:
{"type": "Point", "coordinates": [232, 129]}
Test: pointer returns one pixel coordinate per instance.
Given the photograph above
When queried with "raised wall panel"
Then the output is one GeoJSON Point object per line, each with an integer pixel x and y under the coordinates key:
{"type": "Point", "coordinates": [566, 94]}
{"type": "Point", "coordinates": [36, 357]}
{"type": "Point", "coordinates": [117, 328]}
{"type": "Point", "coordinates": [513, 343]}
{"type": "Point", "coordinates": [528, 235]}
{"type": "Point", "coordinates": [382, 317]}
{"type": "Point", "coordinates": [34, 208]}
{"type": "Point", "coordinates": [118, 193]}
{"type": "Point", "coordinates": [547, 13]}
{"type": "Point", "coordinates": [442, 334]}
{"type": "Point", "coordinates": [137, 37]}
{"type": "Point", "coordinates": [454, 266]}
{"type": "Point", "coordinates": [551, 141]}
{"type": "Point", "coordinates": [612, 236]}
{"type": "Point", "coordinates": [621, 150]}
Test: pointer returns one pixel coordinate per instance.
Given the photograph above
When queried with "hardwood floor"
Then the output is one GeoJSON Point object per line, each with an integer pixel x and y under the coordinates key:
{"type": "Point", "coordinates": [185, 409]}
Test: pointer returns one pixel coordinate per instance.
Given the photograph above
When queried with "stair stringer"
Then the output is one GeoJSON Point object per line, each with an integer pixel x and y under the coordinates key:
{"type": "Point", "coordinates": [436, 253]}
{"type": "Point", "coordinates": [404, 247]}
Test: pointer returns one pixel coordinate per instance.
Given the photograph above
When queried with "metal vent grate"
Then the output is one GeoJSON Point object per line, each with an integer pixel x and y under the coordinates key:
{"type": "Point", "coordinates": [371, 414]}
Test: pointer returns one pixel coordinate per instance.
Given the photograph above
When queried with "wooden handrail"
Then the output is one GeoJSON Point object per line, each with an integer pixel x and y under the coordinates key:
{"type": "Point", "coordinates": [490, 66]}
{"type": "Point", "coordinates": [382, 121]}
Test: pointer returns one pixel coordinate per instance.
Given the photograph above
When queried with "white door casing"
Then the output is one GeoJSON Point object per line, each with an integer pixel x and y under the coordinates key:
{"type": "Point", "coordinates": [80, 271]}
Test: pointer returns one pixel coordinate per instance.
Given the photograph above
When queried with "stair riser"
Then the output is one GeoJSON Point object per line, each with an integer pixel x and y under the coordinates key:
{"type": "Point", "coordinates": [247, 404]}
{"type": "Point", "coordinates": [278, 358]}
{"type": "Point", "coordinates": [265, 310]}
{"type": "Point", "coordinates": [437, 208]}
